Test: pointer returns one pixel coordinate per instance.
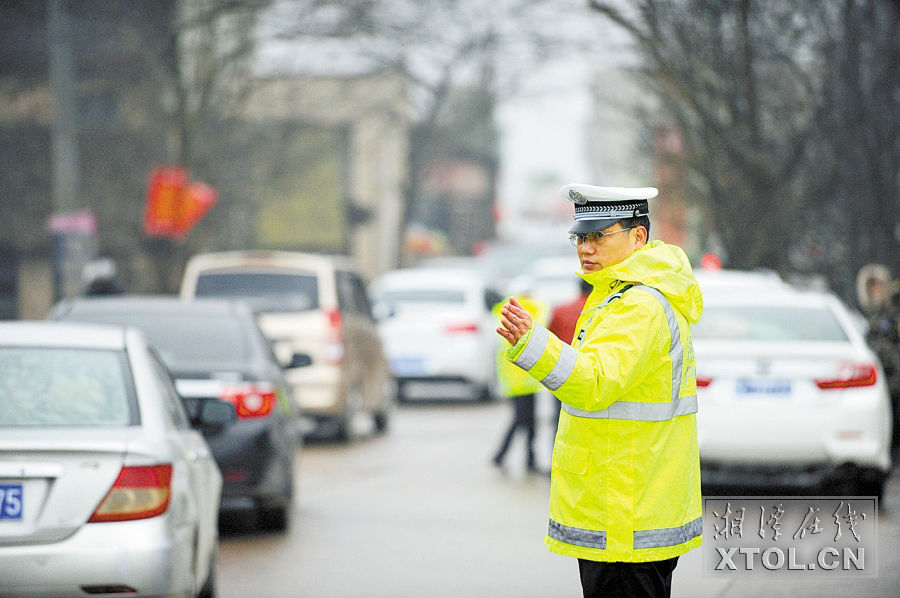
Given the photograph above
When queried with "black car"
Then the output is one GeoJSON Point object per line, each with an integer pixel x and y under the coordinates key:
{"type": "Point", "coordinates": [215, 351]}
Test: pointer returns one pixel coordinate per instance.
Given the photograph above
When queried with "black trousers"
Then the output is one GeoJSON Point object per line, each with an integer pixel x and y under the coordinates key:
{"type": "Point", "coordinates": [627, 580]}
{"type": "Point", "coordinates": [523, 419]}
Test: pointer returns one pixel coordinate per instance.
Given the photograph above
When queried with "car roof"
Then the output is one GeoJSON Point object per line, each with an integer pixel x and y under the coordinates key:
{"type": "Point", "coordinates": [269, 258]}
{"type": "Point", "coordinates": [152, 304]}
{"type": "Point", "coordinates": [61, 334]}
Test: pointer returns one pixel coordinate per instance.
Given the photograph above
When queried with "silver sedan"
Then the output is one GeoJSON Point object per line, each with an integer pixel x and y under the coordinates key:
{"type": "Point", "coordinates": [106, 488]}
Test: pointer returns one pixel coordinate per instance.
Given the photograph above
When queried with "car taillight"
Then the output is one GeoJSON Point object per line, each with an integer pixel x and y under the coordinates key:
{"type": "Point", "coordinates": [334, 350]}
{"type": "Point", "coordinates": [703, 381]}
{"type": "Point", "coordinates": [250, 400]}
{"type": "Point", "coordinates": [461, 327]}
{"type": "Point", "coordinates": [138, 493]}
{"type": "Point", "coordinates": [850, 375]}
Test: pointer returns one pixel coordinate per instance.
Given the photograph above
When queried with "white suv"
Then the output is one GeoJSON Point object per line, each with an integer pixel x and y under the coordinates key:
{"type": "Point", "coordinates": [314, 310]}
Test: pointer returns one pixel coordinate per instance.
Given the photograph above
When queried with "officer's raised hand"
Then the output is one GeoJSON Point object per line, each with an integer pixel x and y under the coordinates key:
{"type": "Point", "coordinates": [515, 321]}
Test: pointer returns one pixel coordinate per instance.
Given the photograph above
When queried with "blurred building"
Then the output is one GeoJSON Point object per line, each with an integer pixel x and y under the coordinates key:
{"type": "Point", "coordinates": [454, 160]}
{"type": "Point", "coordinates": [316, 163]}
{"type": "Point", "coordinates": [119, 131]}
{"type": "Point", "coordinates": [456, 200]}
{"type": "Point", "coordinates": [344, 193]}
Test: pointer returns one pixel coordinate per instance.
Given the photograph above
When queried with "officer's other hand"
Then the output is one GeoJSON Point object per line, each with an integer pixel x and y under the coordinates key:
{"type": "Point", "coordinates": [515, 321]}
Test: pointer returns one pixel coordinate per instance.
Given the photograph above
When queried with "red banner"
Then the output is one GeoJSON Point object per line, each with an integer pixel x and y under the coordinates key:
{"type": "Point", "coordinates": [174, 205]}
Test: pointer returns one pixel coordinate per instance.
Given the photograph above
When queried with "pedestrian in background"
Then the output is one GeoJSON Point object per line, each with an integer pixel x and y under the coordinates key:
{"type": "Point", "coordinates": [625, 483]}
{"type": "Point", "coordinates": [517, 386]}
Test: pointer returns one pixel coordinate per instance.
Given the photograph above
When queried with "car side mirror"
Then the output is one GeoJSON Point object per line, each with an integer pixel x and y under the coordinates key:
{"type": "Point", "coordinates": [492, 298]}
{"type": "Point", "coordinates": [300, 360]}
{"type": "Point", "coordinates": [383, 311]}
{"type": "Point", "coordinates": [214, 415]}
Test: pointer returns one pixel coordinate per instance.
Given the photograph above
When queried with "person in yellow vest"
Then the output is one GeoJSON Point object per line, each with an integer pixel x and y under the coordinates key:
{"type": "Point", "coordinates": [515, 384]}
{"type": "Point", "coordinates": [625, 482]}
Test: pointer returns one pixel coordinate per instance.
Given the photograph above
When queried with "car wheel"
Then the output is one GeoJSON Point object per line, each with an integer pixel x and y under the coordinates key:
{"type": "Point", "coordinates": [382, 419]}
{"type": "Point", "coordinates": [871, 489]}
{"type": "Point", "coordinates": [871, 485]}
{"type": "Point", "coordinates": [389, 395]}
{"type": "Point", "coordinates": [273, 518]}
{"type": "Point", "coordinates": [486, 394]}
{"type": "Point", "coordinates": [345, 421]}
{"type": "Point", "coordinates": [343, 425]}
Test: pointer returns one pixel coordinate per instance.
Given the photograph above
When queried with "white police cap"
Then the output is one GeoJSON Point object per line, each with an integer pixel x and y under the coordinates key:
{"type": "Point", "coordinates": [597, 208]}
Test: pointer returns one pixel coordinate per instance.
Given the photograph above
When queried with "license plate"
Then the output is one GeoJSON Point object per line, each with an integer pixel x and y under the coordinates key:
{"type": "Point", "coordinates": [769, 388]}
{"type": "Point", "coordinates": [11, 502]}
{"type": "Point", "coordinates": [408, 366]}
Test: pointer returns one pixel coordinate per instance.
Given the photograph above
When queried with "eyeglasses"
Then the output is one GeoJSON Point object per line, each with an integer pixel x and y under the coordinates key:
{"type": "Point", "coordinates": [577, 239]}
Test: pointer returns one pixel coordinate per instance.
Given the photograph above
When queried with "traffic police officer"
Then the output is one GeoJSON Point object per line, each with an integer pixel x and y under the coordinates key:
{"type": "Point", "coordinates": [625, 490]}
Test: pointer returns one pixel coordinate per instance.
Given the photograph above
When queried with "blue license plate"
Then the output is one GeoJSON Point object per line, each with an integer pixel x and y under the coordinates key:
{"type": "Point", "coordinates": [11, 502]}
{"type": "Point", "coordinates": [769, 388]}
{"type": "Point", "coordinates": [408, 366]}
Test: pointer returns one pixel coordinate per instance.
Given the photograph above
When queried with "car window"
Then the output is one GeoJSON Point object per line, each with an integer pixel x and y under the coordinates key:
{"type": "Point", "coordinates": [172, 404]}
{"type": "Point", "coordinates": [352, 294]}
{"type": "Point", "coordinates": [769, 323]}
{"type": "Point", "coordinates": [65, 387]}
{"type": "Point", "coordinates": [265, 291]}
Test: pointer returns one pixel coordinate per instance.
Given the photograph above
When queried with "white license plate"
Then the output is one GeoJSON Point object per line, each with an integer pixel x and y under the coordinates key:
{"type": "Point", "coordinates": [11, 502]}
{"type": "Point", "coordinates": [767, 388]}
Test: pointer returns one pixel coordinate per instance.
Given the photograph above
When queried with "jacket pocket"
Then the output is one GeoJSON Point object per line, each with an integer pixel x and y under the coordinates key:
{"type": "Point", "coordinates": [571, 458]}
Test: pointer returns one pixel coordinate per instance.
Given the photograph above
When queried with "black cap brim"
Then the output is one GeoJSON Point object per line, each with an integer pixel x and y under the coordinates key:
{"type": "Point", "coordinates": [585, 226]}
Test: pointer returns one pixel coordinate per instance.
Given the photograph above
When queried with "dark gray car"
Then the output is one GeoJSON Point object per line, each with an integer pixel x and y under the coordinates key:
{"type": "Point", "coordinates": [215, 351]}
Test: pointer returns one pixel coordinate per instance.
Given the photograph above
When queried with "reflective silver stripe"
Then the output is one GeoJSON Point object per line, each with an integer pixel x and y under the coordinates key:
{"type": "Point", "coordinates": [656, 538]}
{"type": "Point", "coordinates": [676, 348]}
{"type": "Point", "coordinates": [579, 537]}
{"type": "Point", "coordinates": [640, 410]}
{"type": "Point", "coordinates": [563, 368]}
{"type": "Point", "coordinates": [540, 336]}
{"type": "Point", "coordinates": [597, 214]}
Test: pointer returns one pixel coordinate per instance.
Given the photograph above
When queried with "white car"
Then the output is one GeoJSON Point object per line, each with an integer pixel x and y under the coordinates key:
{"type": "Point", "coordinates": [790, 394]}
{"type": "Point", "coordinates": [105, 486]}
{"type": "Point", "coordinates": [555, 281]}
{"type": "Point", "coordinates": [438, 331]}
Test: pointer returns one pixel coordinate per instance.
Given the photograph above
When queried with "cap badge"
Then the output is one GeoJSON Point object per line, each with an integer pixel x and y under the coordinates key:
{"type": "Point", "coordinates": [576, 196]}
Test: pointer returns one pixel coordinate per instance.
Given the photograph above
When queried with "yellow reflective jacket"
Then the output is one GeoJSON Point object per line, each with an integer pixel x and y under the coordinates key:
{"type": "Point", "coordinates": [626, 466]}
{"type": "Point", "coordinates": [512, 381]}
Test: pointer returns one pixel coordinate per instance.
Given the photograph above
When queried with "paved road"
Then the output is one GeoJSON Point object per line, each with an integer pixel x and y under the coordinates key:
{"type": "Point", "coordinates": [422, 512]}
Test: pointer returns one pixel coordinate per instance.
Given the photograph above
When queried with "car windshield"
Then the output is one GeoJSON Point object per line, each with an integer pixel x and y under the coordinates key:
{"type": "Point", "coordinates": [64, 387]}
{"type": "Point", "coordinates": [769, 323]}
{"type": "Point", "coordinates": [265, 291]}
